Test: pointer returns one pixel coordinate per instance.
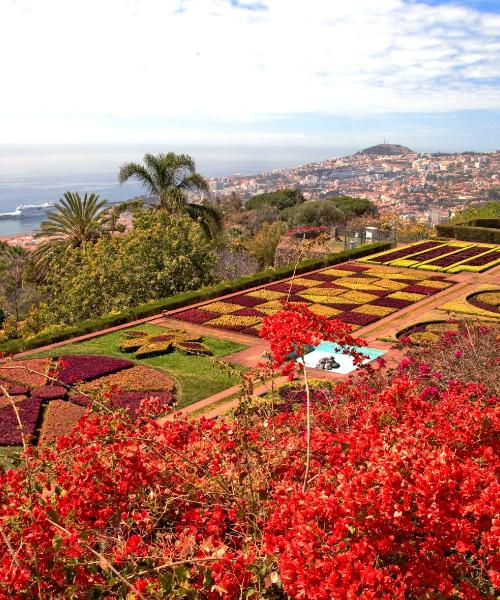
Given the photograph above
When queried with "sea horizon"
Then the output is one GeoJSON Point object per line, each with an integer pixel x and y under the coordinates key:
{"type": "Point", "coordinates": [39, 174]}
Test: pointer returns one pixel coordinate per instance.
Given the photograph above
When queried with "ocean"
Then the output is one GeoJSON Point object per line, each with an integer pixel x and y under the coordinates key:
{"type": "Point", "coordinates": [38, 174]}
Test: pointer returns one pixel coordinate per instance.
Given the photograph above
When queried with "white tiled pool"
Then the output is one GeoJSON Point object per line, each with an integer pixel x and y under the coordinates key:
{"type": "Point", "coordinates": [346, 361]}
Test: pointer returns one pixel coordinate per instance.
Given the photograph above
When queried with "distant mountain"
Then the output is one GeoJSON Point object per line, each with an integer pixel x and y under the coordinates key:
{"type": "Point", "coordinates": [386, 150]}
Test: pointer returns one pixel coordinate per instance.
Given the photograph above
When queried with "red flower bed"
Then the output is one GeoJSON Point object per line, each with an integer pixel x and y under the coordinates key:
{"type": "Point", "coordinates": [421, 289]}
{"type": "Point", "coordinates": [129, 386]}
{"type": "Point", "coordinates": [285, 287]}
{"type": "Point", "coordinates": [247, 301]}
{"type": "Point", "coordinates": [402, 252]}
{"type": "Point", "coordinates": [10, 433]}
{"type": "Point", "coordinates": [13, 389]}
{"type": "Point", "coordinates": [357, 318]}
{"type": "Point", "coordinates": [484, 260]}
{"type": "Point", "coordinates": [447, 261]}
{"type": "Point", "coordinates": [131, 401]}
{"type": "Point", "coordinates": [196, 315]}
{"type": "Point", "coordinates": [31, 373]}
{"type": "Point", "coordinates": [49, 392]}
{"type": "Point", "coordinates": [80, 367]}
{"type": "Point", "coordinates": [391, 302]}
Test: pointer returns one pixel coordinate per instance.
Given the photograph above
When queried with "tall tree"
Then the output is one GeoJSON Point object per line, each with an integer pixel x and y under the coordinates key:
{"type": "Point", "coordinates": [72, 222]}
{"type": "Point", "coordinates": [172, 177]}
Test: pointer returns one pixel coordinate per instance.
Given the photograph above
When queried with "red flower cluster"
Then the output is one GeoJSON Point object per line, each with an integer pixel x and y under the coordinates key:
{"type": "Point", "coordinates": [292, 331]}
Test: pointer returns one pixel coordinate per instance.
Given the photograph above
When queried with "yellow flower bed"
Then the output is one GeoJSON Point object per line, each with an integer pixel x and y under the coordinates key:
{"type": "Point", "coordinates": [407, 296]}
{"type": "Point", "coordinates": [270, 307]}
{"type": "Point", "coordinates": [337, 272]}
{"type": "Point", "coordinates": [321, 291]}
{"type": "Point", "coordinates": [305, 282]}
{"type": "Point", "coordinates": [223, 307]}
{"type": "Point", "coordinates": [233, 321]}
{"type": "Point", "coordinates": [389, 284]}
{"type": "Point", "coordinates": [266, 294]}
{"type": "Point", "coordinates": [441, 285]}
{"type": "Point", "coordinates": [356, 297]}
{"type": "Point", "coordinates": [463, 307]}
{"type": "Point", "coordinates": [324, 311]}
{"type": "Point", "coordinates": [370, 309]}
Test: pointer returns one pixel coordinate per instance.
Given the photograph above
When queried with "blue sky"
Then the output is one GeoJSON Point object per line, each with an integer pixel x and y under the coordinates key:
{"type": "Point", "coordinates": [255, 72]}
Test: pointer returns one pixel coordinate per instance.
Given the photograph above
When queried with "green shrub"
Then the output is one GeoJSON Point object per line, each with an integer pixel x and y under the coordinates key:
{"type": "Point", "coordinates": [185, 299]}
{"type": "Point", "coordinates": [467, 233]}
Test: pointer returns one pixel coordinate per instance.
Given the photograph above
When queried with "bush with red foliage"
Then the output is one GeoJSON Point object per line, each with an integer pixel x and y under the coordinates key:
{"type": "Point", "coordinates": [402, 500]}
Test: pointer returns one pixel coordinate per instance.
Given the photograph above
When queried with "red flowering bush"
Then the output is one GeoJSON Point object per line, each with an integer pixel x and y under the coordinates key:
{"type": "Point", "coordinates": [402, 504]}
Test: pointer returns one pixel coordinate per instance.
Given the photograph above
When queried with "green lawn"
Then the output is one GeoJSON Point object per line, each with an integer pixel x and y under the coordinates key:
{"type": "Point", "coordinates": [198, 376]}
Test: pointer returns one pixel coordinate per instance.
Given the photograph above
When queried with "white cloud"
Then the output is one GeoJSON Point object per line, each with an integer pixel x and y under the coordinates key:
{"type": "Point", "coordinates": [82, 70]}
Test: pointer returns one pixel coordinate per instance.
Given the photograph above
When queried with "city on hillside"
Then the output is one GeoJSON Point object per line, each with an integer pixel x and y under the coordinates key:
{"type": "Point", "coordinates": [395, 178]}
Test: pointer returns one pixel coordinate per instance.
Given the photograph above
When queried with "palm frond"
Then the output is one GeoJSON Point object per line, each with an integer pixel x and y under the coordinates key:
{"type": "Point", "coordinates": [209, 218]}
{"type": "Point", "coordinates": [140, 174]}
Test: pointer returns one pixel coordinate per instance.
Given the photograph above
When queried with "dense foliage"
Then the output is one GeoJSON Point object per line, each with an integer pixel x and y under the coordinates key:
{"type": "Point", "coordinates": [280, 199]}
{"type": "Point", "coordinates": [162, 255]}
{"type": "Point", "coordinates": [401, 500]}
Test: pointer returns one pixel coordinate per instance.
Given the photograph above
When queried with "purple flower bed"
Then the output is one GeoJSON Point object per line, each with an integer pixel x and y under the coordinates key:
{"type": "Point", "coordinates": [318, 277]}
{"type": "Point", "coordinates": [342, 307]}
{"type": "Point", "coordinates": [391, 302]}
{"type": "Point", "coordinates": [81, 367]}
{"type": "Point", "coordinates": [10, 434]}
{"type": "Point", "coordinates": [13, 389]}
{"type": "Point", "coordinates": [483, 260]}
{"type": "Point", "coordinates": [244, 300]}
{"type": "Point", "coordinates": [196, 315]}
{"type": "Point", "coordinates": [249, 312]}
{"type": "Point", "coordinates": [447, 261]}
{"type": "Point", "coordinates": [421, 289]}
{"type": "Point", "coordinates": [167, 337]}
{"type": "Point", "coordinates": [402, 252]}
{"type": "Point", "coordinates": [132, 400]}
{"type": "Point", "coordinates": [349, 267]}
{"type": "Point", "coordinates": [433, 253]}
{"type": "Point", "coordinates": [285, 287]}
{"type": "Point", "coordinates": [355, 318]}
{"type": "Point", "coordinates": [81, 400]}
{"type": "Point", "coordinates": [49, 392]}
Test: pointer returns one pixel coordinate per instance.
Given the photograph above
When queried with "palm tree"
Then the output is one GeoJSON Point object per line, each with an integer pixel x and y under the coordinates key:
{"type": "Point", "coordinates": [171, 177]}
{"type": "Point", "coordinates": [73, 221]}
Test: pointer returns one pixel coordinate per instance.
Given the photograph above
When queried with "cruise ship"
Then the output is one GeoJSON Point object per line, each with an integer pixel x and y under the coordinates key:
{"type": "Point", "coordinates": [28, 211]}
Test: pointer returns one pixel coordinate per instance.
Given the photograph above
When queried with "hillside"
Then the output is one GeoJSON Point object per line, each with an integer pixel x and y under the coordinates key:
{"type": "Point", "coordinates": [386, 150]}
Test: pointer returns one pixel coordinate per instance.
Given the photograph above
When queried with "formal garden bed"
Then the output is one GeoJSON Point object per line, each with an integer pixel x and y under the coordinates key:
{"type": "Point", "coordinates": [448, 257]}
{"type": "Point", "coordinates": [42, 399]}
{"type": "Point", "coordinates": [52, 393]}
{"type": "Point", "coordinates": [352, 293]}
{"type": "Point", "coordinates": [482, 304]}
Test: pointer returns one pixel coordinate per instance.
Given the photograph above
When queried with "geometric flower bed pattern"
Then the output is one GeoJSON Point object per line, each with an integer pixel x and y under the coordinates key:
{"type": "Point", "coordinates": [351, 293]}
{"type": "Point", "coordinates": [449, 257]}
{"type": "Point", "coordinates": [50, 395]}
{"type": "Point", "coordinates": [146, 346]}
{"type": "Point", "coordinates": [482, 304]}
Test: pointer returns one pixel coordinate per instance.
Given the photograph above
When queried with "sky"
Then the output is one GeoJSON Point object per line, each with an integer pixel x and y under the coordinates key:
{"type": "Point", "coordinates": [258, 72]}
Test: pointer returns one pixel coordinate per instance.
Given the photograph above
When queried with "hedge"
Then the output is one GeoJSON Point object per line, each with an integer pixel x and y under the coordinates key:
{"type": "Point", "coordinates": [490, 223]}
{"type": "Point", "coordinates": [485, 235]}
{"type": "Point", "coordinates": [186, 298]}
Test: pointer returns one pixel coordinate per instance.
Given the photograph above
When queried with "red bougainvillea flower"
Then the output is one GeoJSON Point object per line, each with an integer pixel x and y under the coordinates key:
{"type": "Point", "coordinates": [294, 329]}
